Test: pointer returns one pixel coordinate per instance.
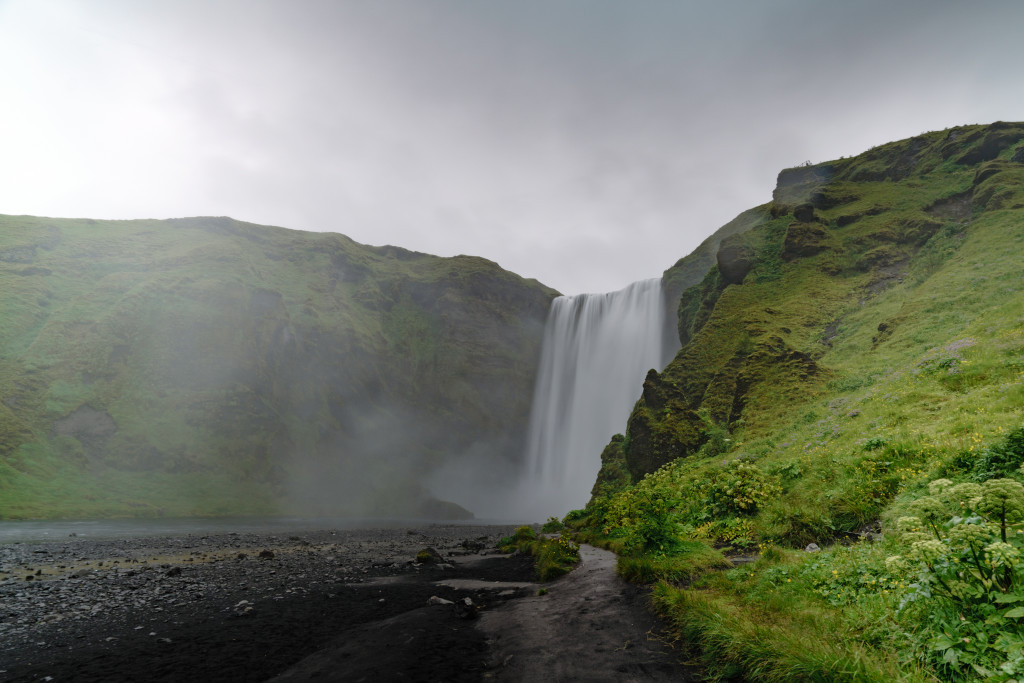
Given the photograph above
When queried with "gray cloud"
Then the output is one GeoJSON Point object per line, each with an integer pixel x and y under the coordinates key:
{"type": "Point", "coordinates": [586, 144]}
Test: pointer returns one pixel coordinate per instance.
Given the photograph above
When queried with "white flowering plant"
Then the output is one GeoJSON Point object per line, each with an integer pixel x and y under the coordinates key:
{"type": "Point", "coordinates": [966, 542]}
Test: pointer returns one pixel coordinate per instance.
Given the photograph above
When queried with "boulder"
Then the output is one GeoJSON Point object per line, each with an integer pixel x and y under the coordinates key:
{"type": "Point", "coordinates": [734, 262]}
{"type": "Point", "coordinates": [804, 239]}
{"type": "Point", "coordinates": [429, 556]}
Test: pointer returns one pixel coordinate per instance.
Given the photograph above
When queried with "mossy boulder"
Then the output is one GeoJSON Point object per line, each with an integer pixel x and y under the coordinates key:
{"type": "Point", "coordinates": [804, 239]}
{"type": "Point", "coordinates": [735, 259]}
{"type": "Point", "coordinates": [614, 473]}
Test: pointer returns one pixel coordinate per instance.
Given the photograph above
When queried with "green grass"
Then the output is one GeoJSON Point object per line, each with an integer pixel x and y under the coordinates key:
{"type": "Point", "coordinates": [846, 382]}
{"type": "Point", "coordinates": [687, 561]}
{"type": "Point", "coordinates": [247, 353]}
{"type": "Point", "coordinates": [554, 557]}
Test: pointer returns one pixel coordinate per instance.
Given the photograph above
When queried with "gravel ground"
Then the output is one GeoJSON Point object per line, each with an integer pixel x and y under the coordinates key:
{"type": "Point", "coordinates": [245, 607]}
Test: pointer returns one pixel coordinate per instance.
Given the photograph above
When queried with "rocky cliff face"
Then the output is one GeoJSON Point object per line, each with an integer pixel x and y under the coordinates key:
{"type": "Point", "coordinates": [211, 366]}
{"type": "Point", "coordinates": [763, 306]}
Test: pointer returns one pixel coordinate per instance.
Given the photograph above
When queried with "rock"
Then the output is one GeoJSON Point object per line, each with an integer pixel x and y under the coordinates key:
{"type": "Point", "coordinates": [804, 239]}
{"type": "Point", "coordinates": [804, 213]}
{"type": "Point", "coordinates": [435, 600]}
{"type": "Point", "coordinates": [472, 546]}
{"type": "Point", "coordinates": [734, 262]}
{"type": "Point", "coordinates": [812, 548]}
{"type": "Point", "coordinates": [173, 571]}
{"type": "Point", "coordinates": [429, 556]}
{"type": "Point", "coordinates": [465, 609]}
{"type": "Point", "coordinates": [266, 554]}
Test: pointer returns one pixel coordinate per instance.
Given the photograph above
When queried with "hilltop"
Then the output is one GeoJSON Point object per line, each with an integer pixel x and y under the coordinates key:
{"type": "Point", "coordinates": [210, 366]}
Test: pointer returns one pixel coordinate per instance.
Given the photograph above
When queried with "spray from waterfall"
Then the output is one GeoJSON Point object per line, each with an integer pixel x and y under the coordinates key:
{"type": "Point", "coordinates": [596, 351]}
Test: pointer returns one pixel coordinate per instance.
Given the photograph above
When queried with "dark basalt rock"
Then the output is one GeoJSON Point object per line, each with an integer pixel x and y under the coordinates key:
{"type": "Point", "coordinates": [734, 262]}
{"type": "Point", "coordinates": [805, 213]}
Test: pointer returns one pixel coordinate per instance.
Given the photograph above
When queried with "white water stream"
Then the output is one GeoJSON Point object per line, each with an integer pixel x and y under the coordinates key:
{"type": "Point", "coordinates": [596, 351]}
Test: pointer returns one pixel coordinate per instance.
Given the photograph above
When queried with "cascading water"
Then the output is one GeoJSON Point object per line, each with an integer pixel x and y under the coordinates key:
{"type": "Point", "coordinates": [596, 351]}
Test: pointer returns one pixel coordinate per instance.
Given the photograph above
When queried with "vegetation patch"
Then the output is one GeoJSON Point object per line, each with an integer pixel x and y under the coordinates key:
{"type": "Point", "coordinates": [846, 424]}
{"type": "Point", "coordinates": [555, 555]}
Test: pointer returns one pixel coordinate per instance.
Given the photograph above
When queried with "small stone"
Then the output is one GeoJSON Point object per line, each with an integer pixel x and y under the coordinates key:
{"type": "Point", "coordinates": [812, 548]}
{"type": "Point", "coordinates": [436, 600]}
{"type": "Point", "coordinates": [465, 609]}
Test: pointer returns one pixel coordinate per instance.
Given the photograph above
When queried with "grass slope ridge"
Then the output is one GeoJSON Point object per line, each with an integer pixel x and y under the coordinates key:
{"type": "Point", "coordinates": [210, 366]}
{"type": "Point", "coordinates": [863, 339]}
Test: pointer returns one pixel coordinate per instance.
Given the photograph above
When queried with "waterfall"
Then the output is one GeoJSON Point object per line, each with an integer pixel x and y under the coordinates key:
{"type": "Point", "coordinates": [596, 351]}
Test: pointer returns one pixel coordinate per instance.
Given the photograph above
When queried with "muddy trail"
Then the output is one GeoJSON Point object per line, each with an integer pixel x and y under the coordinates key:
{"type": "Point", "coordinates": [589, 626]}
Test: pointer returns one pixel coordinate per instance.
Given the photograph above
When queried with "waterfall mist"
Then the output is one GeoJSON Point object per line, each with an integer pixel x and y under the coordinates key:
{"type": "Point", "coordinates": [597, 350]}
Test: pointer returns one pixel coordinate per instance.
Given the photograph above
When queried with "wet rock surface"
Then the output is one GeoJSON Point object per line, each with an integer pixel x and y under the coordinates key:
{"type": "Point", "coordinates": [248, 607]}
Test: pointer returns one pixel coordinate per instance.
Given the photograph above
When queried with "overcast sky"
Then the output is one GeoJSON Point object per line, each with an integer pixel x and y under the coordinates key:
{"type": "Point", "coordinates": [587, 144]}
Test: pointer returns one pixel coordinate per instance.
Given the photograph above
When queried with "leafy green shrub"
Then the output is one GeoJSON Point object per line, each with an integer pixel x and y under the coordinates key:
{"type": "Point", "coordinates": [551, 526]}
{"type": "Point", "coordinates": [741, 488]}
{"type": "Point", "coordinates": [717, 442]}
{"type": "Point", "coordinates": [576, 515]}
{"type": "Point", "coordinates": [874, 443]}
{"type": "Point", "coordinates": [643, 517]}
{"type": "Point", "coordinates": [1001, 459]}
{"type": "Point", "coordinates": [555, 557]}
{"type": "Point", "coordinates": [970, 586]}
{"type": "Point", "coordinates": [522, 535]}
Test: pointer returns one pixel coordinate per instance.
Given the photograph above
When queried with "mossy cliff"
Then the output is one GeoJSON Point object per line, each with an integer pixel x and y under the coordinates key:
{"type": "Point", "coordinates": [852, 366]}
{"type": "Point", "coordinates": [210, 366]}
{"type": "Point", "coordinates": [855, 268]}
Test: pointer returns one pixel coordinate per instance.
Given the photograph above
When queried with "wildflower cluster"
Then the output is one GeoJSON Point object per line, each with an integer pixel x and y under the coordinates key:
{"type": "Point", "coordinates": [965, 542]}
{"type": "Point", "coordinates": [948, 359]}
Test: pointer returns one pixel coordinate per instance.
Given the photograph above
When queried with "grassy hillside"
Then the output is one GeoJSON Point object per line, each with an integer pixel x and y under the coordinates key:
{"type": "Point", "coordinates": [209, 366]}
{"type": "Point", "coordinates": [861, 339]}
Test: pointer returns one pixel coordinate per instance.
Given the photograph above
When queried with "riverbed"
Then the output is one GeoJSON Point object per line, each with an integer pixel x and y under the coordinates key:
{"type": "Point", "coordinates": [242, 605]}
{"type": "Point", "coordinates": [326, 604]}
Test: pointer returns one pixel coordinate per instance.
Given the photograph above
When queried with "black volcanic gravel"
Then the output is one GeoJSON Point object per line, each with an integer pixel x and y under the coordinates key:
{"type": "Point", "coordinates": [240, 607]}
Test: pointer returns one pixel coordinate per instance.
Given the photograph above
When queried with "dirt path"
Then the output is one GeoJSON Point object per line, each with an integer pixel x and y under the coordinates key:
{"type": "Point", "coordinates": [590, 626]}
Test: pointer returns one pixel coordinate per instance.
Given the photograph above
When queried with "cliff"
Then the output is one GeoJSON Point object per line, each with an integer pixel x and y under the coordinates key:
{"type": "Point", "coordinates": [856, 268]}
{"type": "Point", "coordinates": [210, 366]}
